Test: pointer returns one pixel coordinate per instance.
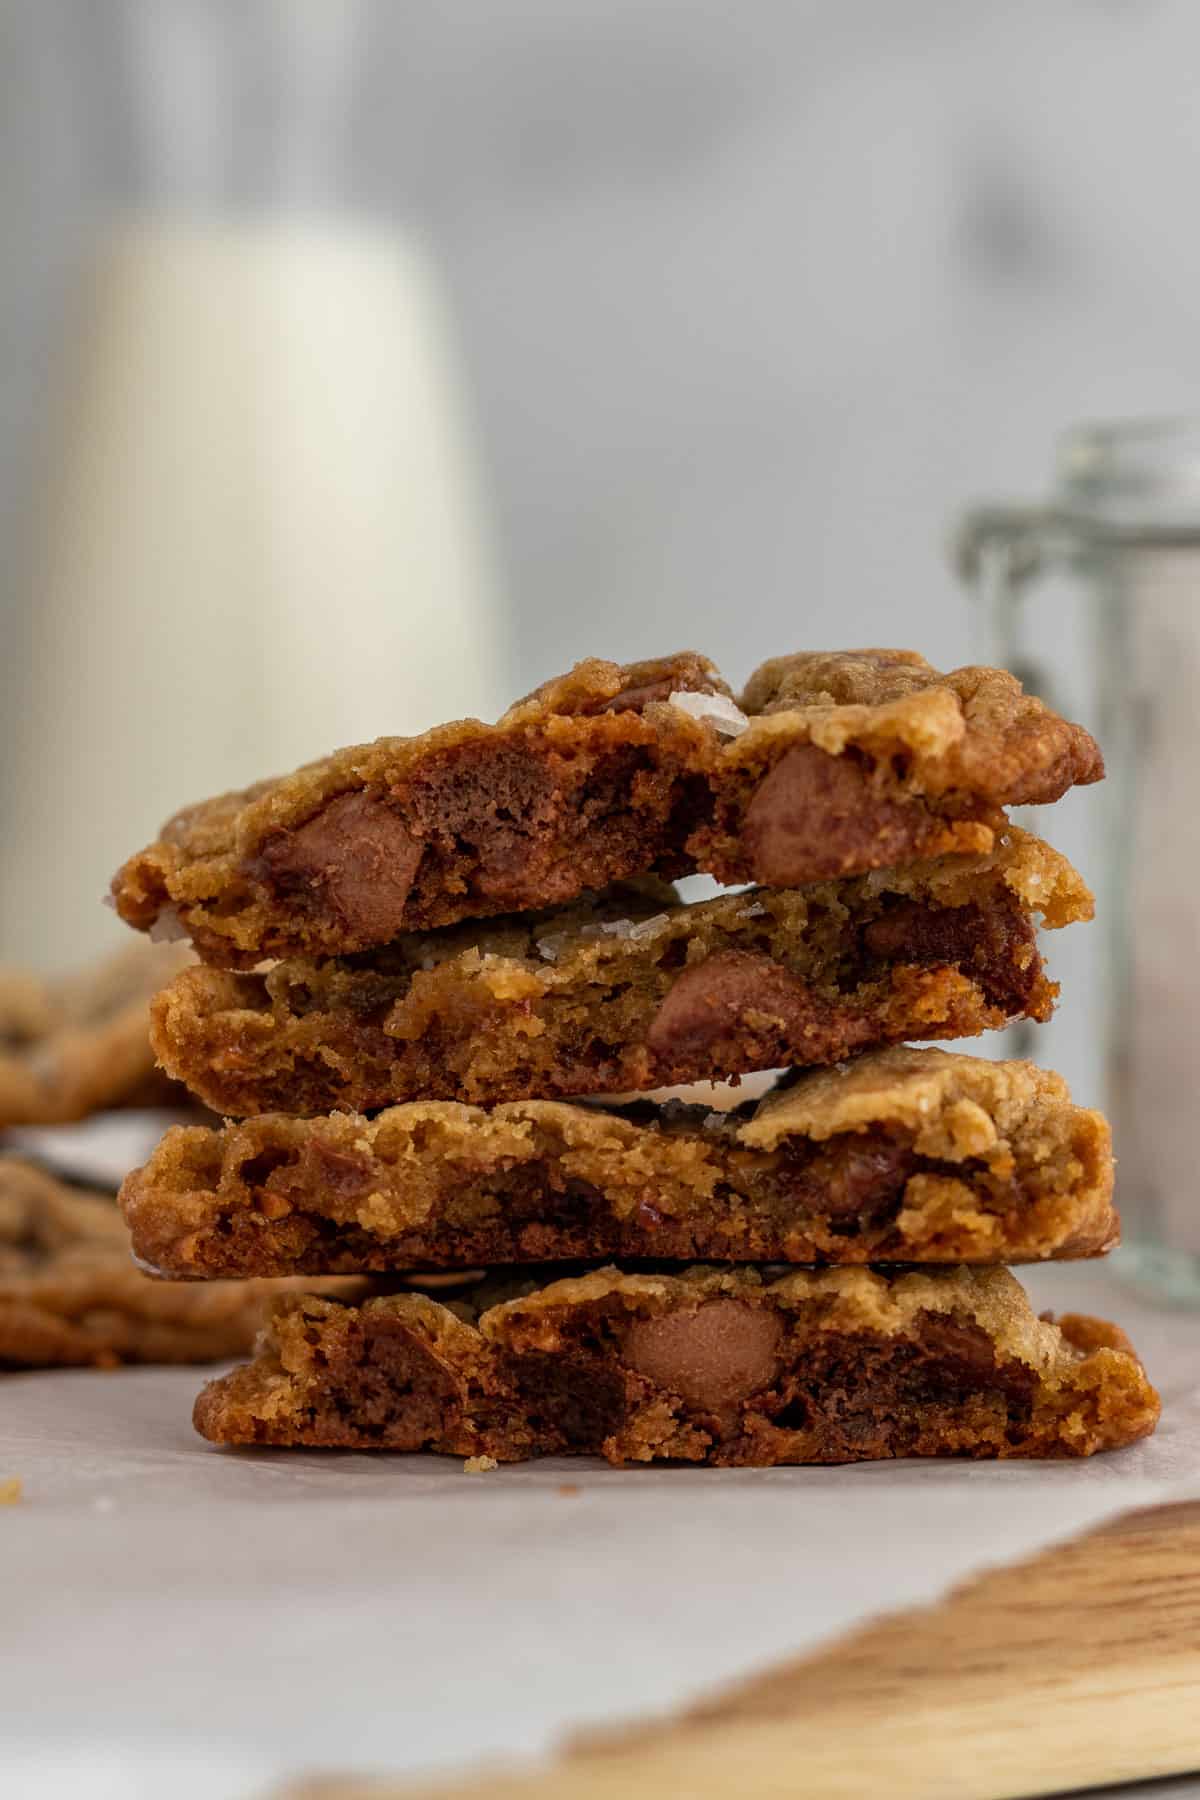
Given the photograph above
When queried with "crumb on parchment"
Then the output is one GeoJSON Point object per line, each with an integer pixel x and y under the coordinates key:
{"type": "Point", "coordinates": [479, 1465]}
{"type": "Point", "coordinates": [10, 1490]}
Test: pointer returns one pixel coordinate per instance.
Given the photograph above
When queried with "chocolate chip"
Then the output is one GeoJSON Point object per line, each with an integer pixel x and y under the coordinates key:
{"type": "Point", "coordinates": [912, 932]}
{"type": "Point", "coordinates": [996, 943]}
{"type": "Point", "coordinates": [709, 1002]}
{"type": "Point", "coordinates": [850, 1177]}
{"type": "Point", "coordinates": [817, 815]}
{"type": "Point", "coordinates": [968, 1345]}
{"type": "Point", "coordinates": [357, 857]}
{"type": "Point", "coordinates": [963, 1355]}
{"type": "Point", "coordinates": [388, 1379]}
{"type": "Point", "coordinates": [712, 1357]}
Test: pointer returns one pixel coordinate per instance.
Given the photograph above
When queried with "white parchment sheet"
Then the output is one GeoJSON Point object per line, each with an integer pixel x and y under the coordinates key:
{"type": "Point", "coordinates": [200, 1622]}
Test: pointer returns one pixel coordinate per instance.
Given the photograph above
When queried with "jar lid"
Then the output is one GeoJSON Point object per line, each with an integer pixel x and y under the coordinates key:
{"type": "Point", "coordinates": [1140, 474]}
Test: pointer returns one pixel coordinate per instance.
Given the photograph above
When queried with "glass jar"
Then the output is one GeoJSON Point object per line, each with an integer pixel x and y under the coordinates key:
{"type": "Point", "coordinates": [1093, 599]}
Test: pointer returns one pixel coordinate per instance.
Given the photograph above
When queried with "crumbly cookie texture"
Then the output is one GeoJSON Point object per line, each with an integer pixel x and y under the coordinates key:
{"type": "Point", "coordinates": [71, 1295]}
{"type": "Point", "coordinates": [632, 992]}
{"type": "Point", "coordinates": [706, 1366]}
{"type": "Point", "coordinates": [832, 765]}
{"type": "Point", "coordinates": [903, 1156]}
{"type": "Point", "coordinates": [73, 1045]}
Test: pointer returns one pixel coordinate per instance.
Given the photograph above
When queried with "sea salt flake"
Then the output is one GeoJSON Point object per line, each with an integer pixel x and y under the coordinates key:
{"type": "Point", "coordinates": [648, 928]}
{"type": "Point", "coordinates": [168, 928]}
{"type": "Point", "coordinates": [551, 947]}
{"type": "Point", "coordinates": [717, 709]}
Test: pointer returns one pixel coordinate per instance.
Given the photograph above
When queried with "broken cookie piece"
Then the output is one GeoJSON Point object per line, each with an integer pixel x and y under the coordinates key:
{"type": "Point", "coordinates": [905, 1155]}
{"type": "Point", "coordinates": [832, 765]}
{"type": "Point", "coordinates": [726, 1368]}
{"type": "Point", "coordinates": [631, 992]}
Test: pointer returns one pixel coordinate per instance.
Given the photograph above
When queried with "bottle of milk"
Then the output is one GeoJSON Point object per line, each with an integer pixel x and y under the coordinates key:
{"type": "Point", "coordinates": [262, 536]}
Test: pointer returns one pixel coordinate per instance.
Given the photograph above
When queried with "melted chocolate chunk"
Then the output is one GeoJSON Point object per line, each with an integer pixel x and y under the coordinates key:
{"type": "Point", "coordinates": [713, 1357]}
{"type": "Point", "coordinates": [385, 1382]}
{"type": "Point", "coordinates": [995, 943]}
{"type": "Point", "coordinates": [817, 815]}
{"type": "Point", "coordinates": [710, 1002]}
{"type": "Point", "coordinates": [356, 856]}
{"type": "Point", "coordinates": [527, 831]}
{"type": "Point", "coordinates": [853, 1178]}
{"type": "Point", "coordinates": [964, 1356]}
{"type": "Point", "coordinates": [860, 1396]}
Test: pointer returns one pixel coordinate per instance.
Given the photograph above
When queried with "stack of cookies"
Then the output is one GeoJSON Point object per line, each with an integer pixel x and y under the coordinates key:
{"type": "Point", "coordinates": [430, 964]}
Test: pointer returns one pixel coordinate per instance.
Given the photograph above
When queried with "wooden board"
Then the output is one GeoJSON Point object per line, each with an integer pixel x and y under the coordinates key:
{"type": "Point", "coordinates": [1077, 1669]}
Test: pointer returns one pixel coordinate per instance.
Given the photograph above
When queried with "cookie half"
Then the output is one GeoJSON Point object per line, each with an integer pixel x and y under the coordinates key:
{"type": "Point", "coordinates": [833, 764]}
{"type": "Point", "coordinates": [906, 1155]}
{"type": "Point", "coordinates": [725, 1368]}
{"type": "Point", "coordinates": [632, 992]}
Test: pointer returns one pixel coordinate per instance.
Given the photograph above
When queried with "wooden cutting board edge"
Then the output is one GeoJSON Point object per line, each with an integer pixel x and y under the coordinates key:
{"type": "Point", "coordinates": [1077, 1669]}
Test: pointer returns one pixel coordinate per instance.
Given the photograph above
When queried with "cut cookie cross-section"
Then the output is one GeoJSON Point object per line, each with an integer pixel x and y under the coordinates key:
{"type": "Point", "coordinates": [831, 765]}
{"type": "Point", "coordinates": [631, 992]}
{"type": "Point", "coordinates": [905, 1155]}
{"type": "Point", "coordinates": [725, 1368]}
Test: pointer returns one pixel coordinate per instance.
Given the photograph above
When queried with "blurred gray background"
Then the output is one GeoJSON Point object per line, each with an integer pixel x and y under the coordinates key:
{"type": "Point", "coordinates": [750, 300]}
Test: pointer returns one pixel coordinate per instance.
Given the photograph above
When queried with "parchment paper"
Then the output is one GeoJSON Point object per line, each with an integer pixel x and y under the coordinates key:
{"type": "Point", "coordinates": [185, 1621]}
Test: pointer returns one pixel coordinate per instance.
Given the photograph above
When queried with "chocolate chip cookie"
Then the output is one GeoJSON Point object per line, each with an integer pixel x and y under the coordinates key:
{"type": "Point", "coordinates": [631, 992]}
{"type": "Point", "coordinates": [725, 1368]}
{"type": "Point", "coordinates": [830, 765]}
{"type": "Point", "coordinates": [908, 1155]}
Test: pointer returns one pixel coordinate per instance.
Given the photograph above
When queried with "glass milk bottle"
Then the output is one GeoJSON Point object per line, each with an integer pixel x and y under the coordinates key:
{"type": "Point", "coordinates": [259, 529]}
{"type": "Point", "coordinates": [261, 536]}
{"type": "Point", "coordinates": [1093, 598]}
